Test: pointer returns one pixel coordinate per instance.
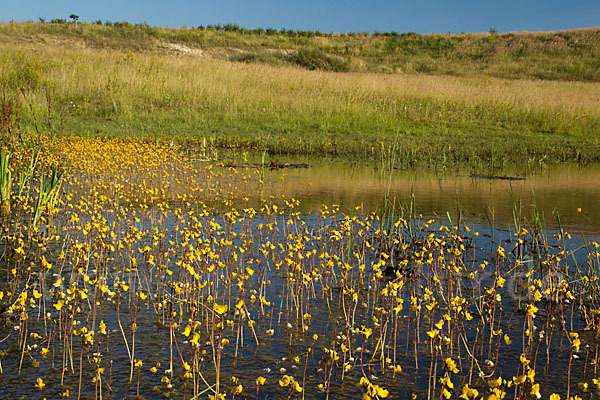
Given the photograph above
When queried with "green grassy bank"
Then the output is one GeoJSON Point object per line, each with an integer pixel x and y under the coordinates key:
{"type": "Point", "coordinates": [98, 80]}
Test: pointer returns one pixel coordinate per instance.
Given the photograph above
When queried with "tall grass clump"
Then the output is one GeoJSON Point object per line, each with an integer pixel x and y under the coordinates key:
{"type": "Point", "coordinates": [49, 190]}
{"type": "Point", "coordinates": [5, 183]}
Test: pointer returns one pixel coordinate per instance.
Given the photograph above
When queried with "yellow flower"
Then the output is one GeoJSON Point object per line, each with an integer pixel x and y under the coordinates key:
{"type": "Point", "coordinates": [285, 380]}
{"type": "Point", "coordinates": [40, 383]}
{"type": "Point", "coordinates": [364, 382]}
{"type": "Point", "coordinates": [493, 383]}
{"type": "Point", "coordinates": [260, 381]}
{"type": "Point", "coordinates": [469, 393]}
{"type": "Point", "coordinates": [297, 387]}
{"type": "Point", "coordinates": [381, 392]}
{"type": "Point", "coordinates": [501, 251]}
{"type": "Point", "coordinates": [187, 331]}
{"type": "Point", "coordinates": [446, 393]}
{"type": "Point", "coordinates": [497, 394]}
{"type": "Point", "coordinates": [575, 342]}
{"type": "Point", "coordinates": [535, 390]}
{"type": "Point", "coordinates": [450, 365]}
{"type": "Point", "coordinates": [220, 309]}
{"type": "Point", "coordinates": [433, 333]}
{"type": "Point", "coordinates": [102, 327]}
{"type": "Point", "coordinates": [447, 382]}
{"type": "Point", "coordinates": [195, 338]}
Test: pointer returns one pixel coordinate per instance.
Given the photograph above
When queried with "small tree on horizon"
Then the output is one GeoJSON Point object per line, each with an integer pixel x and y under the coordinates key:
{"type": "Point", "coordinates": [74, 17]}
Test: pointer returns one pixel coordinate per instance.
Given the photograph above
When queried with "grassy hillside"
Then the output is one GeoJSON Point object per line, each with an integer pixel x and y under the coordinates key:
{"type": "Point", "coordinates": [169, 83]}
{"type": "Point", "coordinates": [564, 55]}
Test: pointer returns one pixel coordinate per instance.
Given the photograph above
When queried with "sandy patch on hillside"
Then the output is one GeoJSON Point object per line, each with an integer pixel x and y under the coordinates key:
{"type": "Point", "coordinates": [180, 48]}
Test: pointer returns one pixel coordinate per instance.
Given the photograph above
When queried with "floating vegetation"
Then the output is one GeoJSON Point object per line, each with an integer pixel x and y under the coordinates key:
{"type": "Point", "coordinates": [156, 272]}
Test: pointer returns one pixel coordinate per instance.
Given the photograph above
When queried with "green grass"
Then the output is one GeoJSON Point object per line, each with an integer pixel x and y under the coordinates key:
{"type": "Point", "coordinates": [423, 144]}
{"type": "Point", "coordinates": [119, 90]}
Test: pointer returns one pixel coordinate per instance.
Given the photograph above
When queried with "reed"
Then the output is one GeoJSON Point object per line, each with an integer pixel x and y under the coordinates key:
{"type": "Point", "coordinates": [5, 183]}
{"type": "Point", "coordinates": [49, 190]}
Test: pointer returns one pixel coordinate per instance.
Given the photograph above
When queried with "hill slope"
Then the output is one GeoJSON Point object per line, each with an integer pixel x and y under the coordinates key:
{"type": "Point", "coordinates": [561, 55]}
{"type": "Point", "coordinates": [181, 83]}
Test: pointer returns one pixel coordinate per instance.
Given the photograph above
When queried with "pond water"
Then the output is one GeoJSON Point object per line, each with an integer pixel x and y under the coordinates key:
{"type": "Point", "coordinates": [192, 272]}
{"type": "Point", "coordinates": [565, 192]}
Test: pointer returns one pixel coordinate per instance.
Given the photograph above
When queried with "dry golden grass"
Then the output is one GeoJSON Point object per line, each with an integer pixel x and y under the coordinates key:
{"type": "Point", "coordinates": [143, 79]}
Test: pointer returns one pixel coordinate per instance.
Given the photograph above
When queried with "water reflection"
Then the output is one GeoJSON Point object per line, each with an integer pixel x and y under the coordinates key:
{"type": "Point", "coordinates": [568, 192]}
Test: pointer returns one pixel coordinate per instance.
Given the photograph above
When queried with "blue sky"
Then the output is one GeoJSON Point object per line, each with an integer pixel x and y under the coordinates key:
{"type": "Point", "coordinates": [424, 16]}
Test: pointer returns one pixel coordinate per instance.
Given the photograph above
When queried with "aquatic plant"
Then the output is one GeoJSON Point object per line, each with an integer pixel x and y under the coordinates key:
{"type": "Point", "coordinates": [5, 183]}
{"type": "Point", "coordinates": [171, 274]}
{"type": "Point", "coordinates": [26, 176]}
{"type": "Point", "coordinates": [48, 193]}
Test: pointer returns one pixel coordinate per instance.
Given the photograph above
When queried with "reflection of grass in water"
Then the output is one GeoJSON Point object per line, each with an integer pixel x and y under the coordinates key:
{"type": "Point", "coordinates": [149, 287]}
{"type": "Point", "coordinates": [558, 188]}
